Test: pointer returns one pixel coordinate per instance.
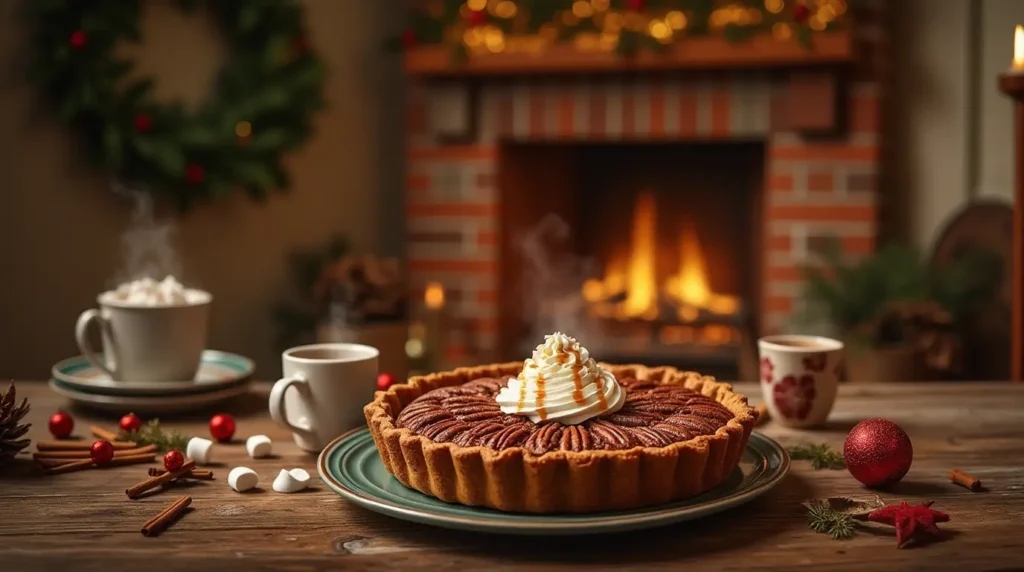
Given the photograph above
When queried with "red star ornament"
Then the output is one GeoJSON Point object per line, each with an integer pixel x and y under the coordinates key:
{"type": "Point", "coordinates": [912, 521]}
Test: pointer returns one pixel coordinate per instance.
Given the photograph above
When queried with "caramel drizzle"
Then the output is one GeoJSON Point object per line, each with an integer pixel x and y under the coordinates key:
{"type": "Point", "coordinates": [541, 412]}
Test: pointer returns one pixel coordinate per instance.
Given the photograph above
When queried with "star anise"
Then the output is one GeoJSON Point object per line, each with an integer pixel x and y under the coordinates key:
{"type": "Point", "coordinates": [911, 521]}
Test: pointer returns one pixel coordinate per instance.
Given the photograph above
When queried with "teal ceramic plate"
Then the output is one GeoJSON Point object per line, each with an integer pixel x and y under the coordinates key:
{"type": "Point", "coordinates": [217, 372]}
{"type": "Point", "coordinates": [351, 466]}
{"type": "Point", "coordinates": [148, 403]}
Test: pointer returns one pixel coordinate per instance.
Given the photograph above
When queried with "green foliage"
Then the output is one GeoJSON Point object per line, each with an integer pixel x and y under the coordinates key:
{"type": "Point", "coordinates": [152, 434]}
{"type": "Point", "coordinates": [273, 81]}
{"type": "Point", "coordinates": [822, 518]}
{"type": "Point", "coordinates": [853, 293]}
{"type": "Point", "coordinates": [821, 456]}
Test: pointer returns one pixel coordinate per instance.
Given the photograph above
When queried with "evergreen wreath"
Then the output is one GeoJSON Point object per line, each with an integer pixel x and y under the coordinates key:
{"type": "Point", "coordinates": [261, 108]}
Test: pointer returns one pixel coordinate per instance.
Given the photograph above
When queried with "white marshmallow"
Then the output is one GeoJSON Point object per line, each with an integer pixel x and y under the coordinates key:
{"type": "Point", "coordinates": [258, 446]}
{"type": "Point", "coordinates": [199, 450]}
{"type": "Point", "coordinates": [242, 479]}
{"type": "Point", "coordinates": [291, 481]}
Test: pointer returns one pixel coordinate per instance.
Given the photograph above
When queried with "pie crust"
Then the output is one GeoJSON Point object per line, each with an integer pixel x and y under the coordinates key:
{"type": "Point", "coordinates": [516, 480]}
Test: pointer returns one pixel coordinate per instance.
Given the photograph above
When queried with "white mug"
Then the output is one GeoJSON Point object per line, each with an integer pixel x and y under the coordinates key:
{"type": "Point", "coordinates": [147, 343]}
{"type": "Point", "coordinates": [799, 377]}
{"type": "Point", "coordinates": [330, 384]}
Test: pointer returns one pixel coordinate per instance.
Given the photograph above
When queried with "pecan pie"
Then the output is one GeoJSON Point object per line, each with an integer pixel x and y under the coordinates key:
{"type": "Point", "coordinates": [674, 435]}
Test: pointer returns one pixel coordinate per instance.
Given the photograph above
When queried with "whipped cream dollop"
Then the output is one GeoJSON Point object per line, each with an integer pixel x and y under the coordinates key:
{"type": "Point", "coordinates": [150, 292]}
{"type": "Point", "coordinates": [561, 382]}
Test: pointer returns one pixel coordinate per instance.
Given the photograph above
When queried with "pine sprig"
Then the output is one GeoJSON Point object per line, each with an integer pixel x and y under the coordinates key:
{"type": "Point", "coordinates": [153, 434]}
{"type": "Point", "coordinates": [823, 519]}
{"type": "Point", "coordinates": [820, 455]}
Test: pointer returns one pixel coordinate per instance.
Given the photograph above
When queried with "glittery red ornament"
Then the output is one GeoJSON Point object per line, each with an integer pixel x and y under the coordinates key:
{"type": "Point", "coordinates": [222, 427]}
{"type": "Point", "coordinates": [143, 122]}
{"type": "Point", "coordinates": [173, 460]}
{"type": "Point", "coordinates": [61, 425]}
{"type": "Point", "coordinates": [409, 38]}
{"type": "Point", "coordinates": [101, 452]}
{"type": "Point", "coordinates": [476, 17]}
{"type": "Point", "coordinates": [384, 381]}
{"type": "Point", "coordinates": [636, 5]}
{"type": "Point", "coordinates": [130, 422]}
{"type": "Point", "coordinates": [78, 39]}
{"type": "Point", "coordinates": [194, 173]}
{"type": "Point", "coordinates": [877, 452]}
{"type": "Point", "coordinates": [801, 13]}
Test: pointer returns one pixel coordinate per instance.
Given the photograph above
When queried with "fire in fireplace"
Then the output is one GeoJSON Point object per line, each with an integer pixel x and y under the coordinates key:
{"type": "Point", "coordinates": [652, 257]}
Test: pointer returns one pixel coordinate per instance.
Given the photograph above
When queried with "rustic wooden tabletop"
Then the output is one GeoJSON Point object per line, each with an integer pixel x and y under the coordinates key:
{"type": "Point", "coordinates": [83, 521]}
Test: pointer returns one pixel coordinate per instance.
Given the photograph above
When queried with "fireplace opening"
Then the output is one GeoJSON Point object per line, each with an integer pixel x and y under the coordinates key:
{"type": "Point", "coordinates": [649, 253]}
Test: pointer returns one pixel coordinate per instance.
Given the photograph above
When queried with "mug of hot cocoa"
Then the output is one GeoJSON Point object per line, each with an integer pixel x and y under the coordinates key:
{"type": "Point", "coordinates": [799, 377]}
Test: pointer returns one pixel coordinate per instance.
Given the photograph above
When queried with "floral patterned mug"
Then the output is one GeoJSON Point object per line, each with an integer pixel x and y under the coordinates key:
{"type": "Point", "coordinates": [799, 377]}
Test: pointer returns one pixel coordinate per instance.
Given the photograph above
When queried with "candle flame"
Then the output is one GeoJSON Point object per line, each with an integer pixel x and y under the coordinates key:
{"type": "Point", "coordinates": [433, 296]}
{"type": "Point", "coordinates": [1018, 47]}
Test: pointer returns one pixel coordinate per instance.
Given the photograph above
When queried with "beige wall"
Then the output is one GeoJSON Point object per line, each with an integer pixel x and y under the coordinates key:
{"type": "Point", "coordinates": [60, 226]}
{"type": "Point", "coordinates": [952, 126]}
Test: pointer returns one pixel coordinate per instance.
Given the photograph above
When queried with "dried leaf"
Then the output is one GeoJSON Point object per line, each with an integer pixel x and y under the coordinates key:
{"type": "Point", "coordinates": [856, 507]}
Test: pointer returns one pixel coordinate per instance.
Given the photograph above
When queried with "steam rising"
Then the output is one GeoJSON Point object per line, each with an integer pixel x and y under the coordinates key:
{"type": "Point", "coordinates": [147, 245]}
{"type": "Point", "coordinates": [551, 280]}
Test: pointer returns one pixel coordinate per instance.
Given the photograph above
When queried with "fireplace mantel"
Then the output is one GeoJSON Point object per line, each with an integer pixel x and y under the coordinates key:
{"type": "Point", "coordinates": [700, 53]}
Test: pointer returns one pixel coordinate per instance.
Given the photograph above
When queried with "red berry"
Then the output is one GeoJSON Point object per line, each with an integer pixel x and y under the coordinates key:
{"type": "Point", "coordinates": [635, 5]}
{"type": "Point", "coordinates": [476, 17]}
{"type": "Point", "coordinates": [173, 460]}
{"type": "Point", "coordinates": [409, 38]}
{"type": "Point", "coordinates": [101, 452]}
{"type": "Point", "coordinates": [143, 123]}
{"type": "Point", "coordinates": [131, 422]}
{"type": "Point", "coordinates": [384, 381]}
{"type": "Point", "coordinates": [801, 13]}
{"type": "Point", "coordinates": [61, 425]}
{"type": "Point", "coordinates": [222, 427]}
{"type": "Point", "coordinates": [194, 173]}
{"type": "Point", "coordinates": [78, 39]}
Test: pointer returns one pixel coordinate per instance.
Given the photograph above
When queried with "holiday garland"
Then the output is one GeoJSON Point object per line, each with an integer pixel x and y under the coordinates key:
{"type": "Point", "coordinates": [480, 27]}
{"type": "Point", "coordinates": [262, 105]}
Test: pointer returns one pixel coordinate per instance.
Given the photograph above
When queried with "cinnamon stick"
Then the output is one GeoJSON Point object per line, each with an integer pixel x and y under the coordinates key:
{"type": "Point", "coordinates": [160, 480]}
{"type": "Point", "coordinates": [102, 433]}
{"type": "Point", "coordinates": [762, 414]}
{"type": "Point", "coordinates": [203, 475]}
{"type": "Point", "coordinates": [85, 454]}
{"type": "Point", "coordinates": [965, 480]}
{"type": "Point", "coordinates": [158, 523]}
{"type": "Point", "coordinates": [79, 445]}
{"type": "Point", "coordinates": [58, 466]}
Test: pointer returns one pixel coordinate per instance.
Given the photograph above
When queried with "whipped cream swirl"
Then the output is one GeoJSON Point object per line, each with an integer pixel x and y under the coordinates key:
{"type": "Point", "coordinates": [561, 382]}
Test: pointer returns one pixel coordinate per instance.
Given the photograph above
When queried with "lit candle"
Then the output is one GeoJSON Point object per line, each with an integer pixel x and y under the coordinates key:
{"type": "Point", "coordinates": [433, 300]}
{"type": "Point", "coordinates": [1018, 48]}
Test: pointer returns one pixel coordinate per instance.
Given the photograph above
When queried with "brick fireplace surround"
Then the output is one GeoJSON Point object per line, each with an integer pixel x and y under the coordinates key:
{"type": "Point", "coordinates": [814, 188]}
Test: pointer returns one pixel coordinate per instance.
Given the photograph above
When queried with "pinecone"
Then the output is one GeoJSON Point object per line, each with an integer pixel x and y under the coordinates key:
{"type": "Point", "coordinates": [11, 432]}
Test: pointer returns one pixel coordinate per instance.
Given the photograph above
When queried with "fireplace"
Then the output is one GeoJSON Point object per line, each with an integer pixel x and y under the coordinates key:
{"type": "Point", "coordinates": [665, 212]}
{"type": "Point", "coordinates": [648, 252]}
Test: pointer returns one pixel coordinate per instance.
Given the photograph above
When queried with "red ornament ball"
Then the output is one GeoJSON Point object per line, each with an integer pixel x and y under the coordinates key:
{"type": "Point", "coordinates": [476, 17]}
{"type": "Point", "coordinates": [222, 427]}
{"type": "Point", "coordinates": [143, 123]}
{"type": "Point", "coordinates": [101, 452]}
{"type": "Point", "coordinates": [878, 452]}
{"type": "Point", "coordinates": [130, 422]}
{"type": "Point", "coordinates": [384, 381]}
{"type": "Point", "coordinates": [409, 38]}
{"type": "Point", "coordinates": [194, 173]}
{"type": "Point", "coordinates": [78, 39]}
{"type": "Point", "coordinates": [636, 5]}
{"type": "Point", "coordinates": [801, 13]}
{"type": "Point", "coordinates": [173, 460]}
{"type": "Point", "coordinates": [61, 425]}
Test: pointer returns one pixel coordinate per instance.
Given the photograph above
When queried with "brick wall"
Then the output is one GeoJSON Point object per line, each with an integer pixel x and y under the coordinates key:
{"type": "Point", "coordinates": [814, 189]}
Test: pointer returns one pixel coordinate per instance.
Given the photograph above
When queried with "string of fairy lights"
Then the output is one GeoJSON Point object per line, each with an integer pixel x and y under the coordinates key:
{"type": "Point", "coordinates": [481, 27]}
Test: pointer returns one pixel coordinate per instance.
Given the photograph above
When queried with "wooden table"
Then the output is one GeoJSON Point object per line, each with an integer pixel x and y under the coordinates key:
{"type": "Point", "coordinates": [83, 521]}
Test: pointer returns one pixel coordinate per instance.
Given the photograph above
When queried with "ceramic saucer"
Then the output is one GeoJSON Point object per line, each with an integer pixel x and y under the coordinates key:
{"type": "Point", "coordinates": [218, 371]}
{"type": "Point", "coordinates": [147, 404]}
{"type": "Point", "coordinates": [351, 466]}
